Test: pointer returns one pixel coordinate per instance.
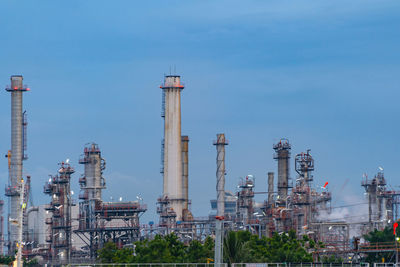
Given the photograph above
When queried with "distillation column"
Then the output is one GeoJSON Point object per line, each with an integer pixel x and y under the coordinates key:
{"type": "Point", "coordinates": [172, 184]}
{"type": "Point", "coordinates": [304, 165]}
{"type": "Point", "coordinates": [282, 155]}
{"type": "Point", "coordinates": [17, 156]}
{"type": "Point", "coordinates": [220, 144]}
{"type": "Point", "coordinates": [94, 166]}
{"type": "Point", "coordinates": [92, 184]}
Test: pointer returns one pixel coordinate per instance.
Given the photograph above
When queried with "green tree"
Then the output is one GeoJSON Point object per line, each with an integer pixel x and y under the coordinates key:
{"type": "Point", "coordinates": [240, 246]}
{"type": "Point", "coordinates": [235, 246]}
{"type": "Point", "coordinates": [331, 259]}
{"type": "Point", "coordinates": [107, 253]}
{"type": "Point", "coordinates": [6, 259]}
{"type": "Point", "coordinates": [110, 253]}
{"type": "Point", "coordinates": [196, 252]}
{"type": "Point", "coordinates": [381, 238]}
{"type": "Point", "coordinates": [286, 248]}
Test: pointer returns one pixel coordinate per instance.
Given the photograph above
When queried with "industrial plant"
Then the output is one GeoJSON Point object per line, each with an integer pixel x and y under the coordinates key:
{"type": "Point", "coordinates": [72, 227]}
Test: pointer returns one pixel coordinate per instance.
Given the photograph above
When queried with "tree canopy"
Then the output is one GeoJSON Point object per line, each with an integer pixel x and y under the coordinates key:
{"type": "Point", "coordinates": [384, 238]}
{"type": "Point", "coordinates": [240, 246]}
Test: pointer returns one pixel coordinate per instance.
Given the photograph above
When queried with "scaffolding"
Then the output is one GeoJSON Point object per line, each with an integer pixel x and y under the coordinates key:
{"type": "Point", "coordinates": [167, 215]}
{"type": "Point", "coordinates": [59, 233]}
{"type": "Point", "coordinates": [100, 221]}
{"type": "Point", "coordinates": [382, 203]}
{"type": "Point", "coordinates": [245, 202]}
{"type": "Point", "coordinates": [300, 208]}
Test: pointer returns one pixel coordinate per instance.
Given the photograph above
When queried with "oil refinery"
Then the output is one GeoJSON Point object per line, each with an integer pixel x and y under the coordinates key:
{"type": "Point", "coordinates": [73, 227]}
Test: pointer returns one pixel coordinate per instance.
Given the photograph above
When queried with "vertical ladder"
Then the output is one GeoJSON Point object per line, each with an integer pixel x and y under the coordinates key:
{"type": "Point", "coordinates": [24, 136]}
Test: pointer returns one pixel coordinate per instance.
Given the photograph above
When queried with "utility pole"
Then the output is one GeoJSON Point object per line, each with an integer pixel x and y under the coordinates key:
{"type": "Point", "coordinates": [20, 222]}
{"type": "Point", "coordinates": [396, 240]}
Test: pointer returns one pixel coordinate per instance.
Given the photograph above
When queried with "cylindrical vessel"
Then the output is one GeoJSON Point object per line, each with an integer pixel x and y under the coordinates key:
{"type": "Point", "coordinates": [93, 172]}
{"type": "Point", "coordinates": [283, 173]}
{"type": "Point", "coordinates": [185, 171]}
{"type": "Point", "coordinates": [282, 154]}
{"type": "Point", "coordinates": [270, 188]}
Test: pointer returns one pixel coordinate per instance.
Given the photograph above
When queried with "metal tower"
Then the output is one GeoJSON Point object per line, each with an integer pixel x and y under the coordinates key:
{"type": "Point", "coordinates": [59, 223]}
{"type": "Point", "coordinates": [304, 164]}
{"type": "Point", "coordinates": [92, 183]}
{"type": "Point", "coordinates": [282, 155]}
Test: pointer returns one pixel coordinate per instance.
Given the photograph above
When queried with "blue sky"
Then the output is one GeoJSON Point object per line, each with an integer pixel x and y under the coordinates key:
{"type": "Point", "coordinates": [324, 74]}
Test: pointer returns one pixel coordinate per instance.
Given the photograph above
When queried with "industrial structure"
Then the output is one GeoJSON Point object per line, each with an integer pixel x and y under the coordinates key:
{"type": "Point", "coordinates": [15, 156]}
{"type": "Point", "coordinates": [68, 229]}
{"type": "Point", "coordinates": [382, 203]}
{"type": "Point", "coordinates": [173, 205]}
{"type": "Point", "coordinates": [219, 222]}
{"type": "Point", "coordinates": [59, 232]}
{"type": "Point", "coordinates": [101, 221]}
{"type": "Point", "coordinates": [306, 208]}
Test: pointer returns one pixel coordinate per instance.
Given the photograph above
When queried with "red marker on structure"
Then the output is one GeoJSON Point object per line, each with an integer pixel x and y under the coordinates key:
{"type": "Point", "coordinates": [394, 227]}
{"type": "Point", "coordinates": [325, 184]}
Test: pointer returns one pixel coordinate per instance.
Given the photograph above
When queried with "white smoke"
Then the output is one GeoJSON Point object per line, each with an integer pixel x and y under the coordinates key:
{"type": "Point", "coordinates": [351, 208]}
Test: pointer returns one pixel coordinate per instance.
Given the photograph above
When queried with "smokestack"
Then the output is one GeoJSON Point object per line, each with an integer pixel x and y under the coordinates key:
{"type": "Point", "coordinates": [185, 171]}
{"type": "Point", "coordinates": [173, 188]}
{"type": "Point", "coordinates": [220, 144]}
{"type": "Point", "coordinates": [270, 188]}
{"type": "Point", "coordinates": [282, 155]}
{"type": "Point", "coordinates": [15, 168]}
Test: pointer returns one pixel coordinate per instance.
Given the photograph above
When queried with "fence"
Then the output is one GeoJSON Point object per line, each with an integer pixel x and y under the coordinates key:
{"type": "Point", "coordinates": [304, 265]}
{"type": "Point", "coordinates": [151, 264]}
{"type": "Point", "coordinates": [386, 265]}
{"type": "Point", "coordinates": [233, 265]}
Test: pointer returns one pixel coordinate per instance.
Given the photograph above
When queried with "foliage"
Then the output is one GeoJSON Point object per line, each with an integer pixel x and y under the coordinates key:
{"type": "Point", "coordinates": [331, 259]}
{"type": "Point", "coordinates": [384, 236]}
{"type": "Point", "coordinates": [31, 263]}
{"type": "Point", "coordinates": [165, 249]}
{"type": "Point", "coordinates": [198, 252]}
{"type": "Point", "coordinates": [240, 246]}
{"type": "Point", "coordinates": [160, 249]}
{"type": "Point", "coordinates": [236, 246]}
{"type": "Point", "coordinates": [110, 253]}
{"type": "Point", "coordinates": [6, 259]}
